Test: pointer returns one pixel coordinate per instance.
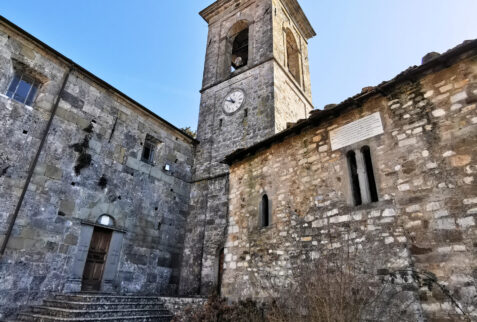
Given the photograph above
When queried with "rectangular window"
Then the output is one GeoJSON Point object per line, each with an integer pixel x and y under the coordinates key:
{"type": "Point", "coordinates": [363, 183]}
{"type": "Point", "coordinates": [373, 192]}
{"type": "Point", "coordinates": [23, 88]}
{"type": "Point", "coordinates": [353, 169]}
{"type": "Point", "coordinates": [149, 149]}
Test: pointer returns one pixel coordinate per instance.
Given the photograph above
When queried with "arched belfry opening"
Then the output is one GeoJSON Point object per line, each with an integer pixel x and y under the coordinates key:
{"type": "Point", "coordinates": [238, 45]}
{"type": "Point", "coordinates": [293, 55]}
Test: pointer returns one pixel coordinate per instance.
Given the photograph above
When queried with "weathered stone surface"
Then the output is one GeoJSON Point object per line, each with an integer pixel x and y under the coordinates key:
{"type": "Point", "coordinates": [173, 223]}
{"type": "Point", "coordinates": [427, 196]}
{"type": "Point", "coordinates": [273, 98]}
{"type": "Point", "coordinates": [45, 241]}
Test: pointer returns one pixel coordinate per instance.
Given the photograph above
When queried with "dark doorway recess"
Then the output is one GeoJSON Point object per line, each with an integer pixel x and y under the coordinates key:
{"type": "Point", "coordinates": [96, 260]}
{"type": "Point", "coordinates": [221, 270]}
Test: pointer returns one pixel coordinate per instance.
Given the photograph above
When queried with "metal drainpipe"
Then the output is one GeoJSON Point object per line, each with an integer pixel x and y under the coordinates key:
{"type": "Point", "coordinates": [34, 163]}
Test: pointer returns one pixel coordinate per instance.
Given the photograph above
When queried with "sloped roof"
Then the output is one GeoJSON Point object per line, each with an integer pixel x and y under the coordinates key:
{"type": "Point", "coordinates": [93, 77]}
{"type": "Point", "coordinates": [467, 49]}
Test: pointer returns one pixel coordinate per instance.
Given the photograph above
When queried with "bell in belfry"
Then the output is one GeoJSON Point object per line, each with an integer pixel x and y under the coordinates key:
{"type": "Point", "coordinates": [238, 61]}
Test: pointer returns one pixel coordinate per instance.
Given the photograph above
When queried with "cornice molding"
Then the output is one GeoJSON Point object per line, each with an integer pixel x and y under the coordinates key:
{"type": "Point", "coordinates": [297, 14]}
{"type": "Point", "coordinates": [292, 6]}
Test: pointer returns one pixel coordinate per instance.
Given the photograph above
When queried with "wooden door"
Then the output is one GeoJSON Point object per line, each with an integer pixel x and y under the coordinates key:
{"type": "Point", "coordinates": [96, 259]}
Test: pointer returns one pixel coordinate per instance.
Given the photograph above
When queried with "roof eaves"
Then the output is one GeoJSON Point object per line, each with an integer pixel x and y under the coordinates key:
{"type": "Point", "coordinates": [319, 116]}
{"type": "Point", "coordinates": [300, 18]}
{"type": "Point", "coordinates": [95, 78]}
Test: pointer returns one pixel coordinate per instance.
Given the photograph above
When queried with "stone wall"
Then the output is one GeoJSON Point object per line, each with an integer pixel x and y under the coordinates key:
{"type": "Point", "coordinates": [425, 166]}
{"type": "Point", "coordinates": [149, 204]}
{"type": "Point", "coordinates": [177, 305]}
{"type": "Point", "coordinates": [282, 20]}
{"type": "Point", "coordinates": [290, 103]}
{"type": "Point", "coordinates": [221, 134]}
{"type": "Point", "coordinates": [292, 98]}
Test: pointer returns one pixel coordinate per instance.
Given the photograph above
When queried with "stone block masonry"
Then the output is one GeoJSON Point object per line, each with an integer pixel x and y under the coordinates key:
{"type": "Point", "coordinates": [121, 201]}
{"type": "Point", "coordinates": [91, 165]}
{"type": "Point", "coordinates": [273, 98]}
{"type": "Point", "coordinates": [424, 166]}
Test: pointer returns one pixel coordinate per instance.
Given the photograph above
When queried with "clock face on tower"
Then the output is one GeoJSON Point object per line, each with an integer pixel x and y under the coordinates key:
{"type": "Point", "coordinates": [233, 101]}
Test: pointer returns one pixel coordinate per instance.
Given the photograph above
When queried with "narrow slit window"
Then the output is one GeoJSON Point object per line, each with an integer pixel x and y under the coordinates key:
{"type": "Point", "coordinates": [365, 150]}
{"type": "Point", "coordinates": [353, 168]}
{"type": "Point", "coordinates": [265, 212]}
{"type": "Point", "coordinates": [23, 89]}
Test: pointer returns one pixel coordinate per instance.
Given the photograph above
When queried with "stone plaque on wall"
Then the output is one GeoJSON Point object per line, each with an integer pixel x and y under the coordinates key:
{"type": "Point", "coordinates": [356, 131]}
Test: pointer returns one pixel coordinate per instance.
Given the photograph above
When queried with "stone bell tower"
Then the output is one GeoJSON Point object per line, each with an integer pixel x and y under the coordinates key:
{"type": "Point", "coordinates": [256, 80]}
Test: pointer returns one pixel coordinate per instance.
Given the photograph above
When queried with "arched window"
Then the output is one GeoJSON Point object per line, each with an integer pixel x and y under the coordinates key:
{"type": "Point", "coordinates": [237, 45]}
{"type": "Point", "coordinates": [353, 169]}
{"type": "Point", "coordinates": [265, 212]}
{"type": "Point", "coordinates": [293, 56]}
{"type": "Point", "coordinates": [105, 220]}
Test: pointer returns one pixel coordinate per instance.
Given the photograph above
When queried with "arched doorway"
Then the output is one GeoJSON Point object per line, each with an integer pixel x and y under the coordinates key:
{"type": "Point", "coordinates": [97, 254]}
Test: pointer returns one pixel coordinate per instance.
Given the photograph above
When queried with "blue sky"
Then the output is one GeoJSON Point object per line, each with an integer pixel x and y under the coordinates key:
{"type": "Point", "coordinates": [153, 50]}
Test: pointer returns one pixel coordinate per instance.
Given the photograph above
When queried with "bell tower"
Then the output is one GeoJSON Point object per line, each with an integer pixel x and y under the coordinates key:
{"type": "Point", "coordinates": [256, 80]}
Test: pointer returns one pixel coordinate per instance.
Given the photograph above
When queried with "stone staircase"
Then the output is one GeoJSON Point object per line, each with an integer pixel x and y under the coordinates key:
{"type": "Point", "coordinates": [97, 307]}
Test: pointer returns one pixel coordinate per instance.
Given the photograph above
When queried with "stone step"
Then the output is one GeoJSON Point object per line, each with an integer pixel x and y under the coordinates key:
{"type": "Point", "coordinates": [73, 305]}
{"type": "Point", "coordinates": [43, 318]}
{"type": "Point", "coordinates": [106, 298]}
{"type": "Point", "coordinates": [102, 313]}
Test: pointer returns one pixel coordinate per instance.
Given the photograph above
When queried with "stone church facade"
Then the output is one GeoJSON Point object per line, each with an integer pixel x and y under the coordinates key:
{"type": "Point", "coordinates": [105, 204]}
{"type": "Point", "coordinates": [100, 194]}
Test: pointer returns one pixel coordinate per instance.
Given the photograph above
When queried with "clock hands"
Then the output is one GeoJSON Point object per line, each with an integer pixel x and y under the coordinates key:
{"type": "Point", "coordinates": [233, 101]}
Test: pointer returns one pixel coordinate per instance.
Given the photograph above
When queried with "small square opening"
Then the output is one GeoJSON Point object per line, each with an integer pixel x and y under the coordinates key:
{"type": "Point", "coordinates": [149, 149]}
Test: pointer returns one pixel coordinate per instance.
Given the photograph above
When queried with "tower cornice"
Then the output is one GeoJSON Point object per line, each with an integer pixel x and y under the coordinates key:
{"type": "Point", "coordinates": [292, 6]}
{"type": "Point", "coordinates": [297, 14]}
